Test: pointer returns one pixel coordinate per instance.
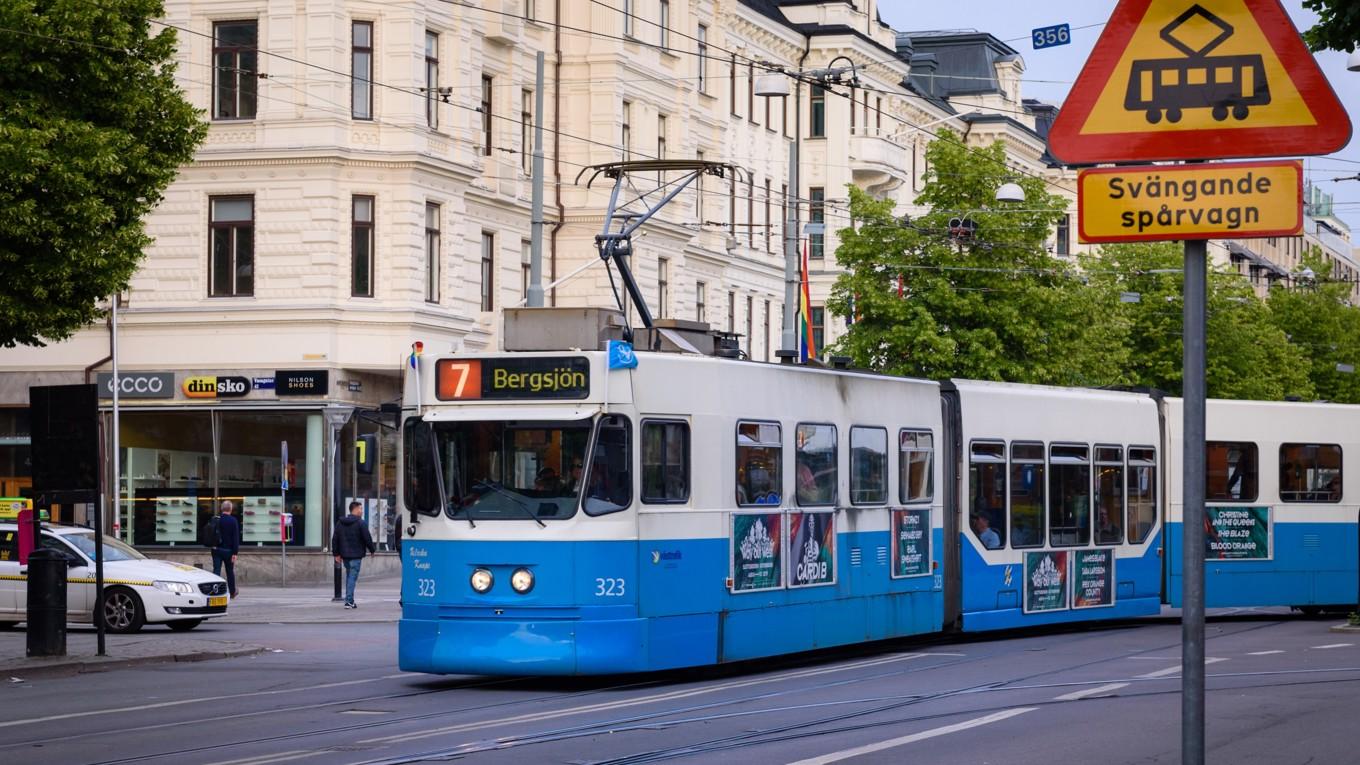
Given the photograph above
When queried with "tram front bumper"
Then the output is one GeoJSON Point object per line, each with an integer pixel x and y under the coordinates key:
{"type": "Point", "coordinates": [506, 645]}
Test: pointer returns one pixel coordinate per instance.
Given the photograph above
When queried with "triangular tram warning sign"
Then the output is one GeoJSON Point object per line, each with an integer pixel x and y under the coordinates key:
{"type": "Point", "coordinates": [1198, 79]}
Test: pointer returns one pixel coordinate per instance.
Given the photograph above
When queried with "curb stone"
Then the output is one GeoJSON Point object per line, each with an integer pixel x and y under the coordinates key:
{"type": "Point", "coordinates": [25, 671]}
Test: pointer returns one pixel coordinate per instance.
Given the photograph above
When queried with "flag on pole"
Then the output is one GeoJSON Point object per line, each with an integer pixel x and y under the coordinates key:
{"type": "Point", "coordinates": [807, 348]}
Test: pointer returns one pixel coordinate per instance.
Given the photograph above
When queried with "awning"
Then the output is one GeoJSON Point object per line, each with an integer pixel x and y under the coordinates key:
{"type": "Point", "coordinates": [485, 413]}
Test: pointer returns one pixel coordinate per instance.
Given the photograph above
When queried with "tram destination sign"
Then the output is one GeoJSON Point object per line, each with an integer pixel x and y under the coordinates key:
{"type": "Point", "coordinates": [1160, 202]}
{"type": "Point", "coordinates": [552, 377]}
{"type": "Point", "coordinates": [1237, 533]}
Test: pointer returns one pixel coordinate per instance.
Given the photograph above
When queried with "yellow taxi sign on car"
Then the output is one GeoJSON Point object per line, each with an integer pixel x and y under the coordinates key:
{"type": "Point", "coordinates": [10, 507]}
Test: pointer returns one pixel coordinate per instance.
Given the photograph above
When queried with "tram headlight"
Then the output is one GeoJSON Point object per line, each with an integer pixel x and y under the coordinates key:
{"type": "Point", "coordinates": [481, 580]}
{"type": "Point", "coordinates": [522, 580]}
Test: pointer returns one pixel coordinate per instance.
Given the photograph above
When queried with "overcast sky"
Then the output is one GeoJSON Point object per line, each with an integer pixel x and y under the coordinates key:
{"type": "Point", "coordinates": [1049, 72]}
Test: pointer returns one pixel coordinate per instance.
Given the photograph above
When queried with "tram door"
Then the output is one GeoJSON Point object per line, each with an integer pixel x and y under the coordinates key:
{"type": "Point", "coordinates": [951, 456]}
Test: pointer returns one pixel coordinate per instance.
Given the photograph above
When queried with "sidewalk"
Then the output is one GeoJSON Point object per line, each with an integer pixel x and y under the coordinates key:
{"type": "Point", "coordinates": [303, 604]}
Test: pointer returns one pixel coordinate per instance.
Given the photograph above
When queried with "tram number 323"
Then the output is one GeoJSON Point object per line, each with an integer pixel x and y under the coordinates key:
{"type": "Point", "coordinates": [425, 588]}
{"type": "Point", "coordinates": [609, 587]}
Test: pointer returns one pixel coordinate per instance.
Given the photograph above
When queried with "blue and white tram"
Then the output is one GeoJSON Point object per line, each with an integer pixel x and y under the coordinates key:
{"type": "Point", "coordinates": [720, 511]}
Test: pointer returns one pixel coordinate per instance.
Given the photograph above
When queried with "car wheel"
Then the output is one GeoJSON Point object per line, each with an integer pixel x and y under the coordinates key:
{"type": "Point", "coordinates": [123, 611]}
{"type": "Point", "coordinates": [184, 625]}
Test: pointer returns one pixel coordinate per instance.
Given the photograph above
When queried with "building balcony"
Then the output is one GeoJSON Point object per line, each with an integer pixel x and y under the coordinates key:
{"type": "Point", "coordinates": [878, 163]}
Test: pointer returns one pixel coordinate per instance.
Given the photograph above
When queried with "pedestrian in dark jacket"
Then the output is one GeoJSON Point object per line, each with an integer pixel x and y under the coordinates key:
{"type": "Point", "coordinates": [351, 542]}
{"type": "Point", "coordinates": [227, 546]}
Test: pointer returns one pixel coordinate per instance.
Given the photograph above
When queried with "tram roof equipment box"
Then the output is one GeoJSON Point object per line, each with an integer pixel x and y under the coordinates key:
{"type": "Point", "coordinates": [560, 329]}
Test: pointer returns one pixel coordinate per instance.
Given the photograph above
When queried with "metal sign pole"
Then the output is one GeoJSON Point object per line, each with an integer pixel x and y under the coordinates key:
{"type": "Point", "coordinates": [283, 512]}
{"type": "Point", "coordinates": [1192, 520]}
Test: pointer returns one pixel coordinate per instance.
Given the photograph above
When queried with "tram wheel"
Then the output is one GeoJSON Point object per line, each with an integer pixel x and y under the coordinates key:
{"type": "Point", "coordinates": [1240, 111]}
{"type": "Point", "coordinates": [1220, 112]}
{"type": "Point", "coordinates": [1173, 115]}
{"type": "Point", "coordinates": [1154, 116]}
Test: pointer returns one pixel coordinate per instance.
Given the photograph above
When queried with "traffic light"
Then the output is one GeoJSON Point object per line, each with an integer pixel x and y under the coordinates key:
{"type": "Point", "coordinates": [366, 453]}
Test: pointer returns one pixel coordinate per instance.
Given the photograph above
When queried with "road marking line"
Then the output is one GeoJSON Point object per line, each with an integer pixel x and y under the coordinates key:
{"type": "Point", "coordinates": [606, 706]}
{"type": "Point", "coordinates": [1264, 653]}
{"type": "Point", "coordinates": [846, 754]}
{"type": "Point", "coordinates": [1175, 669]}
{"type": "Point", "coordinates": [1154, 658]}
{"type": "Point", "coordinates": [163, 704]}
{"type": "Point", "coordinates": [1333, 645]}
{"type": "Point", "coordinates": [263, 759]}
{"type": "Point", "coordinates": [1074, 695]}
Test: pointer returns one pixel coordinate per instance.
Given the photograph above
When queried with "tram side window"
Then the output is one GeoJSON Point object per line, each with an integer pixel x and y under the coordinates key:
{"type": "Point", "coordinates": [987, 489]}
{"type": "Point", "coordinates": [1027, 495]}
{"type": "Point", "coordinates": [915, 466]}
{"type": "Point", "coordinates": [665, 462]}
{"type": "Point", "coordinates": [1310, 473]}
{"type": "Point", "coordinates": [760, 449]}
{"type": "Point", "coordinates": [609, 484]}
{"type": "Point", "coordinates": [814, 460]}
{"type": "Point", "coordinates": [1069, 509]}
{"type": "Point", "coordinates": [868, 466]}
{"type": "Point", "coordinates": [1109, 495]}
{"type": "Point", "coordinates": [1231, 471]}
{"type": "Point", "coordinates": [1142, 493]}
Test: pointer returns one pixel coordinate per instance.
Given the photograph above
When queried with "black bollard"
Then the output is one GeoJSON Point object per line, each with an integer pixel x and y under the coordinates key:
{"type": "Point", "coordinates": [46, 603]}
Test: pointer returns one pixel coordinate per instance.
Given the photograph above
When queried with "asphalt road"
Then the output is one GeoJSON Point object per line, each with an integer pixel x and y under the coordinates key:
{"type": "Point", "coordinates": [1281, 691]}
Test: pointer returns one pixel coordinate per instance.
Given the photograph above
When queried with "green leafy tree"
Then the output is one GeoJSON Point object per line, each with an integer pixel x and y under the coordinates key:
{"type": "Point", "coordinates": [994, 307]}
{"type": "Point", "coordinates": [92, 130]}
{"type": "Point", "coordinates": [1317, 317]}
{"type": "Point", "coordinates": [1338, 26]}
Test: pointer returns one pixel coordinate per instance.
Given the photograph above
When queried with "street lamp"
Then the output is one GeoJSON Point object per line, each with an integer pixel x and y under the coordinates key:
{"type": "Point", "coordinates": [773, 84]}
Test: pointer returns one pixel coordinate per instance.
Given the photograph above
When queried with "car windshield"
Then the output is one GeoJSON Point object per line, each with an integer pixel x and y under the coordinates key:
{"type": "Point", "coordinates": [113, 549]}
{"type": "Point", "coordinates": [513, 470]}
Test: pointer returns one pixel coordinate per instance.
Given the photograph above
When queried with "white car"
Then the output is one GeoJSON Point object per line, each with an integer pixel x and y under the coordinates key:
{"type": "Point", "coordinates": [137, 590]}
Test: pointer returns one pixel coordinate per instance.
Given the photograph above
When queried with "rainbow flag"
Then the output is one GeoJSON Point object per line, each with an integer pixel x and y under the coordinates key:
{"type": "Point", "coordinates": [807, 348]}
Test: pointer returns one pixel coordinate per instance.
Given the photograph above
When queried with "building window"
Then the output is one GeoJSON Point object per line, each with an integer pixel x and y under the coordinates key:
{"type": "Point", "coordinates": [663, 287]}
{"type": "Point", "coordinates": [626, 136]}
{"type": "Point", "coordinates": [232, 229]}
{"type": "Point", "coordinates": [769, 124]}
{"type": "Point", "coordinates": [529, 9]}
{"type": "Point", "coordinates": [817, 215]}
{"type": "Point", "coordinates": [788, 123]}
{"type": "Point", "coordinates": [665, 462]}
{"type": "Point", "coordinates": [661, 136]}
{"type": "Point", "coordinates": [769, 221]}
{"type": "Point", "coordinates": [751, 92]}
{"type": "Point", "coordinates": [817, 105]}
{"type": "Point", "coordinates": [854, 103]}
{"type": "Point", "coordinates": [699, 191]}
{"type": "Point", "coordinates": [526, 130]}
{"type": "Point", "coordinates": [628, 17]}
{"type": "Point", "coordinates": [361, 71]}
{"type": "Point", "coordinates": [665, 23]}
{"type": "Point", "coordinates": [432, 79]}
{"type": "Point", "coordinates": [767, 330]}
{"type": "Point", "coordinates": [786, 204]}
{"type": "Point", "coordinates": [486, 114]}
{"type": "Point", "coordinates": [751, 214]}
{"type": "Point", "coordinates": [361, 251]}
{"type": "Point", "coordinates": [878, 114]}
{"type": "Point", "coordinates": [488, 271]}
{"type": "Point", "coordinates": [235, 63]}
{"type": "Point", "coordinates": [700, 301]}
{"type": "Point", "coordinates": [432, 252]}
{"type": "Point", "coordinates": [731, 312]}
{"type": "Point", "coordinates": [702, 45]}
{"type": "Point", "coordinates": [732, 86]}
{"type": "Point", "coordinates": [526, 253]}
{"type": "Point", "coordinates": [818, 328]}
{"type": "Point", "coordinates": [1065, 235]}
{"type": "Point", "coordinates": [750, 326]}
{"type": "Point", "coordinates": [732, 207]}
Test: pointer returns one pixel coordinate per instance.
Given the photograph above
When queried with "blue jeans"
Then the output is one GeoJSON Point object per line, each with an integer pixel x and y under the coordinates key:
{"type": "Point", "coordinates": [351, 577]}
{"type": "Point", "coordinates": [223, 558]}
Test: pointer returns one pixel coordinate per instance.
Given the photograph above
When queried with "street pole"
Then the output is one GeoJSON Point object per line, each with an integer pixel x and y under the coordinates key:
{"type": "Point", "coordinates": [535, 296]}
{"type": "Point", "coordinates": [117, 488]}
{"type": "Point", "coordinates": [1192, 520]}
{"type": "Point", "coordinates": [789, 340]}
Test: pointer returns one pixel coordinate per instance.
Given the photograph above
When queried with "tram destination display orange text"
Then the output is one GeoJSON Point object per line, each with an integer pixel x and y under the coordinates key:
{"type": "Point", "coordinates": [1167, 202]}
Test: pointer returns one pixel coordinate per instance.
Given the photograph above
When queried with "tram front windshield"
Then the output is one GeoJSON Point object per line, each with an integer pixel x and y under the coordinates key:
{"type": "Point", "coordinates": [512, 470]}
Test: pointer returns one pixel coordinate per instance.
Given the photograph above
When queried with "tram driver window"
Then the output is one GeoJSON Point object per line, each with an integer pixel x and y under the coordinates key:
{"type": "Point", "coordinates": [868, 466]}
{"type": "Point", "coordinates": [915, 466]}
{"type": "Point", "coordinates": [1310, 473]}
{"type": "Point", "coordinates": [815, 465]}
{"type": "Point", "coordinates": [609, 481]}
{"type": "Point", "coordinates": [1027, 495]}
{"type": "Point", "coordinates": [1109, 495]}
{"type": "Point", "coordinates": [1142, 493]}
{"type": "Point", "coordinates": [1231, 471]}
{"type": "Point", "coordinates": [760, 449]}
{"type": "Point", "coordinates": [1069, 509]}
{"type": "Point", "coordinates": [665, 462]}
{"type": "Point", "coordinates": [987, 485]}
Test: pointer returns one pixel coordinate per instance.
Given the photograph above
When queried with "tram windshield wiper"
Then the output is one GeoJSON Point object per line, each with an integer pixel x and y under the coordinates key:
{"type": "Point", "coordinates": [489, 484]}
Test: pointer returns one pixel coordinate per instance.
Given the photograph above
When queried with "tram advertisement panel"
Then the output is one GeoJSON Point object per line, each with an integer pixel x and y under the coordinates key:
{"type": "Point", "coordinates": [911, 542]}
{"type": "Point", "coordinates": [812, 549]}
{"type": "Point", "coordinates": [1237, 533]}
{"type": "Point", "coordinates": [756, 553]}
{"type": "Point", "coordinates": [1093, 578]}
{"type": "Point", "coordinates": [1046, 581]}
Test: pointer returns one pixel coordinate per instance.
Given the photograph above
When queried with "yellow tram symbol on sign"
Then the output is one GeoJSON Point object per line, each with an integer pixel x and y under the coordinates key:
{"type": "Point", "coordinates": [1219, 83]}
{"type": "Point", "coordinates": [1198, 79]}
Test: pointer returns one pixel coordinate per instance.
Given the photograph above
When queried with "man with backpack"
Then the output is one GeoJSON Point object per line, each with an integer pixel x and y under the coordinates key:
{"type": "Point", "coordinates": [224, 537]}
{"type": "Point", "coordinates": [350, 542]}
